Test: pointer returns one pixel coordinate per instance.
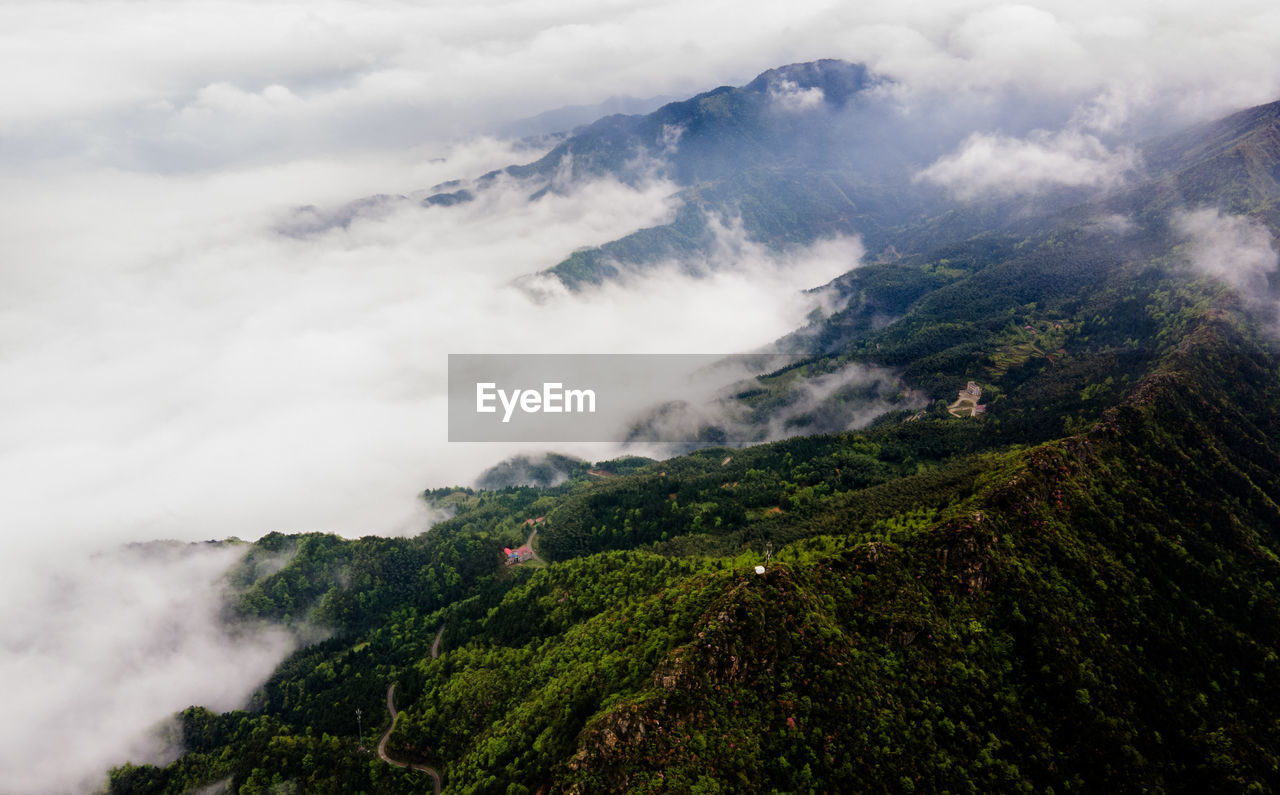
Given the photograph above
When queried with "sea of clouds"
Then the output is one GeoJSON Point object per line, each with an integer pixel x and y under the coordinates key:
{"type": "Point", "coordinates": [175, 367]}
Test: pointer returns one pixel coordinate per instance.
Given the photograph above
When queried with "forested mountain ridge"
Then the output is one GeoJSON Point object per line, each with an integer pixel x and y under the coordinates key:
{"type": "Point", "coordinates": [1233, 163]}
{"type": "Point", "coordinates": [773, 157]}
{"type": "Point", "coordinates": [1094, 612]}
{"type": "Point", "coordinates": [1074, 591]}
{"type": "Point", "coordinates": [711, 135]}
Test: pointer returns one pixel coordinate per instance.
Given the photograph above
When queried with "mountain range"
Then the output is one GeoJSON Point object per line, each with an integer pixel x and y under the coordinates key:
{"type": "Point", "coordinates": [1062, 579]}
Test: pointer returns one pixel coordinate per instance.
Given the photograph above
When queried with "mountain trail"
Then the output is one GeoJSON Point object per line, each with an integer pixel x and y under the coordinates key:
{"type": "Point", "coordinates": [391, 708]}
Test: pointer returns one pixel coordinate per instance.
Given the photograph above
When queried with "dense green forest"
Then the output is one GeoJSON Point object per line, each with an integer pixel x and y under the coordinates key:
{"type": "Point", "coordinates": [1073, 591]}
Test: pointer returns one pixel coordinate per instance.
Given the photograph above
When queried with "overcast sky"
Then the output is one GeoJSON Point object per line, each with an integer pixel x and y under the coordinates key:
{"type": "Point", "coordinates": [181, 85]}
{"type": "Point", "coordinates": [174, 368]}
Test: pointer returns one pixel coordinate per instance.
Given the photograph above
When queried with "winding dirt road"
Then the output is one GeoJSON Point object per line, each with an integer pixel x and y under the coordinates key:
{"type": "Point", "coordinates": [391, 708]}
{"type": "Point", "coordinates": [529, 543]}
{"type": "Point", "coordinates": [435, 644]}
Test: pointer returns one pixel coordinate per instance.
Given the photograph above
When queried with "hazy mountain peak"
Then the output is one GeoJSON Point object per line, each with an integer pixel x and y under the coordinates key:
{"type": "Point", "coordinates": [836, 80]}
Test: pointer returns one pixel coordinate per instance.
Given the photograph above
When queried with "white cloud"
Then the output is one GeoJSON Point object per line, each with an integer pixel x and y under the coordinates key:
{"type": "Point", "coordinates": [844, 399]}
{"type": "Point", "coordinates": [1234, 248]}
{"type": "Point", "coordinates": [189, 84]}
{"type": "Point", "coordinates": [670, 140]}
{"type": "Point", "coordinates": [1111, 224]}
{"type": "Point", "coordinates": [194, 84]}
{"type": "Point", "coordinates": [790, 97]}
{"type": "Point", "coordinates": [987, 164]}
{"type": "Point", "coordinates": [1003, 39]}
{"type": "Point", "coordinates": [96, 652]}
{"type": "Point", "coordinates": [1188, 59]}
{"type": "Point", "coordinates": [183, 369]}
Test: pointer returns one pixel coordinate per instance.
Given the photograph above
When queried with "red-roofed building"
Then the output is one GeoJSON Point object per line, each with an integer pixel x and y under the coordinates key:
{"type": "Point", "coordinates": [518, 555]}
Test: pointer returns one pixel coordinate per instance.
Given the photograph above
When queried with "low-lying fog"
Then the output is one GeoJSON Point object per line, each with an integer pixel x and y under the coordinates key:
{"type": "Point", "coordinates": [183, 370]}
{"type": "Point", "coordinates": [96, 652]}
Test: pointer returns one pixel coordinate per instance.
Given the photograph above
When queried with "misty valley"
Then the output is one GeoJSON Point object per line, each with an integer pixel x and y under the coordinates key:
{"type": "Point", "coordinates": [989, 500]}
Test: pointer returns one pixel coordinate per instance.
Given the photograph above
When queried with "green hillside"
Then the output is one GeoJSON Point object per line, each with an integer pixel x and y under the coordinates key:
{"type": "Point", "coordinates": [1094, 612]}
{"type": "Point", "coordinates": [1073, 591]}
